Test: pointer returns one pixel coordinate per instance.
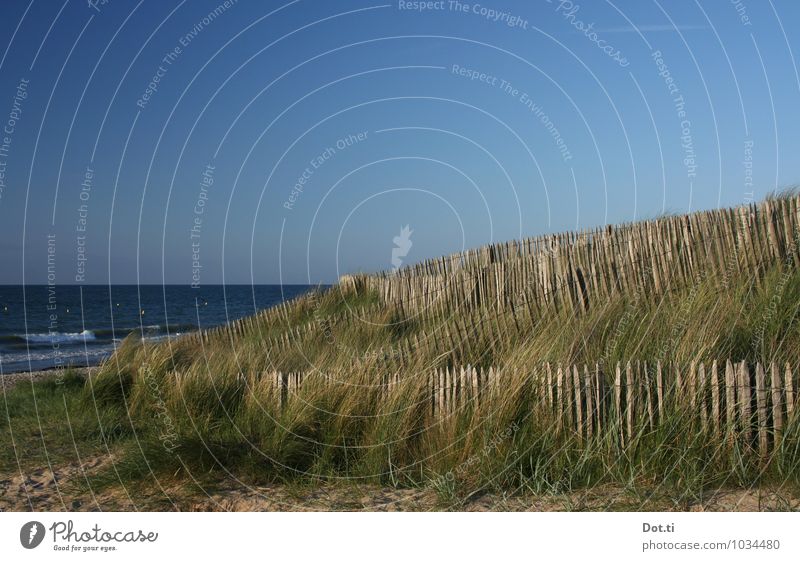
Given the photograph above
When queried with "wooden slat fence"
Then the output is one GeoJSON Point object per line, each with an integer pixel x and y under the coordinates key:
{"type": "Point", "coordinates": [726, 401]}
{"type": "Point", "coordinates": [502, 283]}
{"type": "Point", "coordinates": [575, 270]}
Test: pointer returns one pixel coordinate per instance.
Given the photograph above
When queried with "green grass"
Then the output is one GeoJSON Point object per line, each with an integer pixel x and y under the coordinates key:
{"type": "Point", "coordinates": [200, 410]}
{"type": "Point", "coordinates": [45, 422]}
{"type": "Point", "coordinates": [342, 426]}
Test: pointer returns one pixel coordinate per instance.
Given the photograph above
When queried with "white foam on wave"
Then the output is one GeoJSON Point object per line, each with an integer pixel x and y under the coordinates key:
{"type": "Point", "coordinates": [85, 335]}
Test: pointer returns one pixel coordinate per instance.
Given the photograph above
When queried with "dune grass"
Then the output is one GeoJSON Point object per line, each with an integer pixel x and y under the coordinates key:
{"type": "Point", "coordinates": [207, 408]}
{"type": "Point", "coordinates": [199, 408]}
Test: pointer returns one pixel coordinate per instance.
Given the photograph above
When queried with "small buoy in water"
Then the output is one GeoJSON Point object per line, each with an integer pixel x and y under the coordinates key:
{"type": "Point", "coordinates": [117, 304]}
{"type": "Point", "coordinates": [67, 310]}
{"type": "Point", "coordinates": [205, 303]}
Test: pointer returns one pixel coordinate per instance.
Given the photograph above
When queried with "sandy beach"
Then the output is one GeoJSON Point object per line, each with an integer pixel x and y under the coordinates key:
{"type": "Point", "coordinates": [8, 381]}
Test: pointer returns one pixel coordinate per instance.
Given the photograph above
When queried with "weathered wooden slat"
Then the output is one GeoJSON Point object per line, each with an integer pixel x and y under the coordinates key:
{"type": "Point", "coordinates": [475, 383]}
{"type": "Point", "coordinates": [568, 399]}
{"type": "Point", "coordinates": [493, 381]}
{"type": "Point", "coordinates": [730, 400]}
{"type": "Point", "coordinates": [277, 388]}
{"type": "Point", "coordinates": [777, 403]}
{"type": "Point", "coordinates": [701, 395]}
{"type": "Point", "coordinates": [589, 401]}
{"type": "Point", "coordinates": [629, 399]}
{"type": "Point", "coordinates": [452, 403]}
{"type": "Point", "coordinates": [660, 391]}
{"type": "Point", "coordinates": [618, 403]}
{"type": "Point", "coordinates": [462, 387]}
{"type": "Point", "coordinates": [599, 401]}
{"type": "Point", "coordinates": [441, 405]}
{"type": "Point", "coordinates": [576, 388]}
{"type": "Point", "coordinates": [648, 397]}
{"type": "Point", "coordinates": [444, 406]}
{"type": "Point", "coordinates": [761, 408]}
{"type": "Point", "coordinates": [715, 402]}
{"type": "Point", "coordinates": [284, 389]}
{"type": "Point", "coordinates": [559, 398]}
{"type": "Point", "coordinates": [745, 402]}
{"type": "Point", "coordinates": [691, 385]}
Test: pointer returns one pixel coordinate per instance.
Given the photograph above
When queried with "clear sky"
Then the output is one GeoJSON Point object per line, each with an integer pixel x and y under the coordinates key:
{"type": "Point", "coordinates": [267, 142]}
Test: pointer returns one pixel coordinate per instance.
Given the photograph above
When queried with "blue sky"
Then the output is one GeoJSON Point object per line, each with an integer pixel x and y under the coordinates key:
{"type": "Point", "coordinates": [291, 141]}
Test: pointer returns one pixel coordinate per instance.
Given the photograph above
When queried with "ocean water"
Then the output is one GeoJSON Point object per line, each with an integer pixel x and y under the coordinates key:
{"type": "Point", "coordinates": [44, 327]}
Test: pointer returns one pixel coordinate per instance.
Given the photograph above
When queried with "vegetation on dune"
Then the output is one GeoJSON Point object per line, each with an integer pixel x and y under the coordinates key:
{"type": "Point", "coordinates": [344, 421]}
{"type": "Point", "coordinates": [208, 403]}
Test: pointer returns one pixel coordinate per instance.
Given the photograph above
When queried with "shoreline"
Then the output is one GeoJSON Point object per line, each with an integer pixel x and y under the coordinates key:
{"type": "Point", "coordinates": [8, 381]}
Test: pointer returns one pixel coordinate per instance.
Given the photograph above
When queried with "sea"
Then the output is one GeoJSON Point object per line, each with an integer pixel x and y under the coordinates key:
{"type": "Point", "coordinates": [45, 327]}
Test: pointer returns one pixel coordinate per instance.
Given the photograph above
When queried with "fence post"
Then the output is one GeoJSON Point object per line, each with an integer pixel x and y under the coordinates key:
{"type": "Point", "coordinates": [777, 411]}
{"type": "Point", "coordinates": [599, 401]}
{"type": "Point", "coordinates": [730, 401]}
{"type": "Point", "coordinates": [589, 406]}
{"type": "Point", "coordinates": [715, 411]}
{"type": "Point", "coordinates": [629, 398]}
{"type": "Point", "coordinates": [691, 382]}
{"type": "Point", "coordinates": [444, 406]}
{"type": "Point", "coordinates": [648, 396]}
{"type": "Point", "coordinates": [618, 404]}
{"type": "Point", "coordinates": [461, 388]}
{"type": "Point", "coordinates": [744, 401]}
{"type": "Point", "coordinates": [701, 395]}
{"type": "Point", "coordinates": [475, 385]}
{"type": "Point", "coordinates": [576, 386]}
{"type": "Point", "coordinates": [284, 390]}
{"type": "Point", "coordinates": [440, 391]}
{"type": "Point", "coordinates": [559, 398]}
{"type": "Point", "coordinates": [761, 403]}
{"type": "Point", "coordinates": [660, 391]}
{"type": "Point", "coordinates": [431, 391]}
